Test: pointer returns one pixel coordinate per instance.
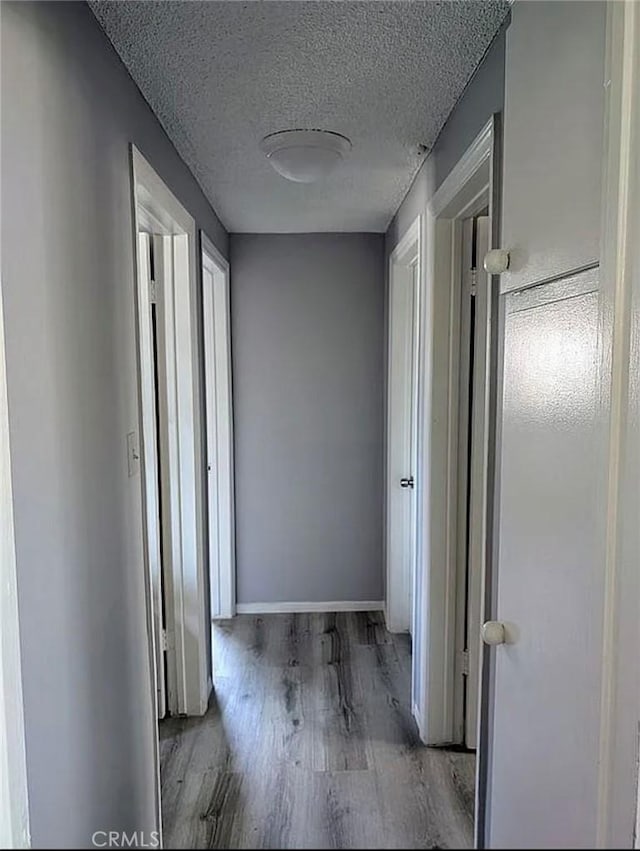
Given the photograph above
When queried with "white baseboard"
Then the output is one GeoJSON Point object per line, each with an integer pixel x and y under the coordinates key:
{"type": "Point", "coordinates": [331, 606]}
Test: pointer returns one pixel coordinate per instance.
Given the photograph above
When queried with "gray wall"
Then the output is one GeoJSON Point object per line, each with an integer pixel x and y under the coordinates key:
{"type": "Point", "coordinates": [69, 112]}
{"type": "Point", "coordinates": [483, 96]}
{"type": "Point", "coordinates": [307, 339]}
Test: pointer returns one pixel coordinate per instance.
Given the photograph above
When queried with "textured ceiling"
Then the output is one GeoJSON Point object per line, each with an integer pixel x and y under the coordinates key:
{"type": "Point", "coordinates": [221, 75]}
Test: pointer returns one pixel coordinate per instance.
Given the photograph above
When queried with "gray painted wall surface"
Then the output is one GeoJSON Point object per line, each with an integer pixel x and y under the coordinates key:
{"type": "Point", "coordinates": [69, 112]}
{"type": "Point", "coordinates": [307, 340]}
{"type": "Point", "coordinates": [483, 96]}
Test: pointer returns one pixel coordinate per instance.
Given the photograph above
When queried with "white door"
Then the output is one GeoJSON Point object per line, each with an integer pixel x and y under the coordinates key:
{"type": "Point", "coordinates": [150, 443]}
{"type": "Point", "coordinates": [472, 472]}
{"type": "Point", "coordinates": [402, 445]}
{"type": "Point", "coordinates": [217, 364]}
{"type": "Point", "coordinates": [544, 765]}
{"type": "Point", "coordinates": [548, 566]}
{"type": "Point", "coordinates": [157, 360]}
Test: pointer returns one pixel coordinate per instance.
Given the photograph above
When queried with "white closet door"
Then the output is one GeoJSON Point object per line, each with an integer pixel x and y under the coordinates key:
{"type": "Point", "coordinates": [550, 574]}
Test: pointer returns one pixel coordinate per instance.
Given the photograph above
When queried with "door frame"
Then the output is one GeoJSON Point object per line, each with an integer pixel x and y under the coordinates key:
{"type": "Point", "coordinates": [14, 797]}
{"type": "Point", "coordinates": [618, 816]}
{"type": "Point", "coordinates": [159, 569]}
{"type": "Point", "coordinates": [216, 323]}
{"type": "Point", "coordinates": [471, 485]}
{"type": "Point", "coordinates": [406, 255]}
{"type": "Point", "coordinates": [471, 187]}
{"type": "Point", "coordinates": [155, 207]}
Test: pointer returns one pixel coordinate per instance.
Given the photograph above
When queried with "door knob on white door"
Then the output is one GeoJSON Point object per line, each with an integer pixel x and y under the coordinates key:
{"type": "Point", "coordinates": [407, 483]}
{"type": "Point", "coordinates": [496, 261]}
{"type": "Point", "coordinates": [493, 633]}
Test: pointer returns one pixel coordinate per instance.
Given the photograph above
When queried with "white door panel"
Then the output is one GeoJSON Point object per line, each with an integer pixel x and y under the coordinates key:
{"type": "Point", "coordinates": [217, 370]}
{"type": "Point", "coordinates": [543, 782]}
{"type": "Point", "coordinates": [554, 115]}
{"type": "Point", "coordinates": [150, 459]}
{"type": "Point", "coordinates": [401, 498]}
{"type": "Point", "coordinates": [477, 484]}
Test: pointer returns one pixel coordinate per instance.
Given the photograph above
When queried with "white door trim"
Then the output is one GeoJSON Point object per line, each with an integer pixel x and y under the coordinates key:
{"type": "Point", "coordinates": [14, 803]}
{"type": "Point", "coordinates": [465, 192]}
{"type": "Point", "coordinates": [618, 781]}
{"type": "Point", "coordinates": [465, 177]}
{"type": "Point", "coordinates": [158, 210]}
{"type": "Point", "coordinates": [406, 256]}
{"type": "Point", "coordinates": [219, 419]}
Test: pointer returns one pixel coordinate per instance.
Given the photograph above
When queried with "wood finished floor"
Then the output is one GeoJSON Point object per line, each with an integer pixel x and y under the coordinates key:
{"type": "Point", "coordinates": [309, 742]}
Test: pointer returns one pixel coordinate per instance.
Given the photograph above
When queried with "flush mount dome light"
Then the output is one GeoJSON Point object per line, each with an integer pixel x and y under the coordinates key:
{"type": "Point", "coordinates": [305, 155]}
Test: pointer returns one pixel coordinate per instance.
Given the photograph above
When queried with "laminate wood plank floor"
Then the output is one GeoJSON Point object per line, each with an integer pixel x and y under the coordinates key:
{"type": "Point", "coordinates": [309, 742]}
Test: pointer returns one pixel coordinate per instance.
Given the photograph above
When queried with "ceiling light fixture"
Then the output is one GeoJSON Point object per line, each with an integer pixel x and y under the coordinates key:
{"type": "Point", "coordinates": [305, 156]}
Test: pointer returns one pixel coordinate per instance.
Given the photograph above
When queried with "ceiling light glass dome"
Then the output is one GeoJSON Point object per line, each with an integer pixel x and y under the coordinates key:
{"type": "Point", "coordinates": [305, 156]}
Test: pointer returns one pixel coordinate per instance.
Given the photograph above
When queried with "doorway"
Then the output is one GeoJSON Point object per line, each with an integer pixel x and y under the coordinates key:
{"type": "Point", "coordinates": [457, 439]}
{"type": "Point", "coordinates": [455, 460]}
{"type": "Point", "coordinates": [169, 455]}
{"type": "Point", "coordinates": [171, 446]}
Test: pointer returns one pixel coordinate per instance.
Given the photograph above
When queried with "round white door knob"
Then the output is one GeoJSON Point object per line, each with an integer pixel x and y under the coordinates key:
{"type": "Point", "coordinates": [493, 633]}
{"type": "Point", "coordinates": [496, 261]}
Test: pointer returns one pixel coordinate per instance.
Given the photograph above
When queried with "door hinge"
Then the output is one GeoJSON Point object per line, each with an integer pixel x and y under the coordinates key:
{"type": "Point", "coordinates": [474, 281]}
{"type": "Point", "coordinates": [166, 640]}
{"type": "Point", "coordinates": [465, 663]}
{"type": "Point", "coordinates": [153, 292]}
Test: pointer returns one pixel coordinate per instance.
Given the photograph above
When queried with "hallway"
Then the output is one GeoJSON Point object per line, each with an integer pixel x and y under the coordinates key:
{"type": "Point", "coordinates": [309, 743]}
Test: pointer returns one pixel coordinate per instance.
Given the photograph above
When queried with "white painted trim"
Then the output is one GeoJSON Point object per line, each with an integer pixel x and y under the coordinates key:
{"type": "Point", "coordinates": [619, 722]}
{"type": "Point", "coordinates": [14, 804]}
{"type": "Point", "coordinates": [466, 190]}
{"type": "Point", "coordinates": [216, 317]}
{"type": "Point", "coordinates": [209, 248]}
{"type": "Point", "coordinates": [478, 152]}
{"type": "Point", "coordinates": [407, 253]}
{"type": "Point", "coordinates": [145, 529]}
{"type": "Point", "coordinates": [152, 196]}
{"type": "Point", "coordinates": [300, 608]}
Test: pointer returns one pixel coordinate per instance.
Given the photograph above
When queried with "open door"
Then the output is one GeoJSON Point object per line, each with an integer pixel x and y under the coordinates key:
{"type": "Point", "coordinates": [219, 413]}
{"type": "Point", "coordinates": [150, 442]}
{"type": "Point", "coordinates": [472, 476]}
